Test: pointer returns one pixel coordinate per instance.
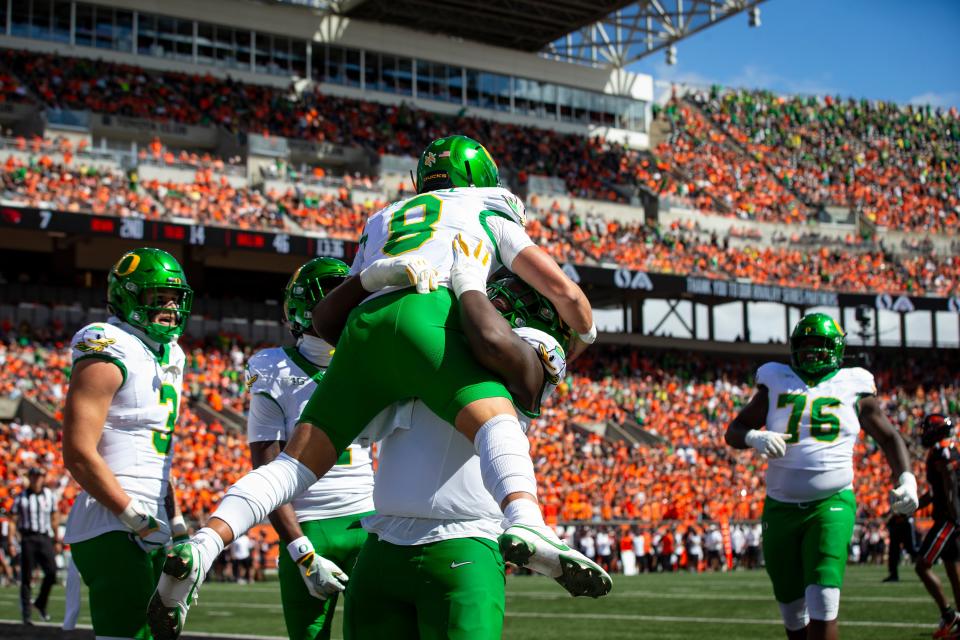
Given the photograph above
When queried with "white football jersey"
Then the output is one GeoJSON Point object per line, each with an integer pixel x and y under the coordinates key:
{"type": "Point", "coordinates": [426, 225]}
{"type": "Point", "coordinates": [137, 439]}
{"type": "Point", "coordinates": [281, 381]}
{"type": "Point", "coordinates": [428, 484]}
{"type": "Point", "coordinates": [823, 426]}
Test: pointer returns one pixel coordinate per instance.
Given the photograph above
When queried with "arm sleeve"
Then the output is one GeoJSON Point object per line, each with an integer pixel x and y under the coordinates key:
{"type": "Point", "coordinates": [102, 342]}
{"type": "Point", "coordinates": [510, 239]}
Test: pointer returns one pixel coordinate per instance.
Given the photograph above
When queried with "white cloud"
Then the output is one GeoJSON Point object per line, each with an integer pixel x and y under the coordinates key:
{"type": "Point", "coordinates": [934, 99]}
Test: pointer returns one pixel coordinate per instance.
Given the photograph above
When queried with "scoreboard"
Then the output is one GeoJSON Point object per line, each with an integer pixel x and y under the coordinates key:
{"type": "Point", "coordinates": [188, 234]}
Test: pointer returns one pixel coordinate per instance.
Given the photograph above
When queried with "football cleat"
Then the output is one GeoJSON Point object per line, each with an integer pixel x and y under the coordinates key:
{"type": "Point", "coordinates": [178, 589]}
{"type": "Point", "coordinates": [540, 550]}
{"type": "Point", "coordinates": [949, 626]}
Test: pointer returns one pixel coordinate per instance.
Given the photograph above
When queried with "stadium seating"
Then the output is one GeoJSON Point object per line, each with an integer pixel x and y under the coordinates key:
{"type": "Point", "coordinates": [683, 402]}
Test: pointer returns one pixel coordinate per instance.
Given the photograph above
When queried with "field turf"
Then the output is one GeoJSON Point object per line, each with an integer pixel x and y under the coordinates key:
{"type": "Point", "coordinates": [736, 605]}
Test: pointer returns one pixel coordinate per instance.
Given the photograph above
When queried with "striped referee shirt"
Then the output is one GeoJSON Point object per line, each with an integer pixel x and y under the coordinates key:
{"type": "Point", "coordinates": [34, 510]}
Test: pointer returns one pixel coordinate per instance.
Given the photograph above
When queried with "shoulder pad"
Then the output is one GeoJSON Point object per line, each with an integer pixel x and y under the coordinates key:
{"type": "Point", "coordinates": [100, 339]}
{"type": "Point", "coordinates": [768, 372]}
{"type": "Point", "coordinates": [263, 370]}
{"type": "Point", "coordinates": [862, 379]}
{"type": "Point", "coordinates": [502, 201]}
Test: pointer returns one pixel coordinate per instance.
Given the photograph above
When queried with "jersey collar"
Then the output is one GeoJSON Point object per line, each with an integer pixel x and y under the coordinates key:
{"type": "Point", "coordinates": [160, 350]}
{"type": "Point", "coordinates": [812, 381]}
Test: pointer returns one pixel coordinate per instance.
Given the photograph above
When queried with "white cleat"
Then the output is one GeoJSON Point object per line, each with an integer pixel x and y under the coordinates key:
{"type": "Point", "coordinates": [178, 589]}
{"type": "Point", "coordinates": [539, 549]}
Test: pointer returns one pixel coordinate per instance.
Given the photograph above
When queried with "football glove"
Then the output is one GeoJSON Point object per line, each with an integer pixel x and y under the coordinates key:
{"type": "Point", "coordinates": [769, 443]}
{"type": "Point", "coordinates": [471, 266]}
{"type": "Point", "coordinates": [904, 498]}
{"type": "Point", "coordinates": [148, 532]}
{"type": "Point", "coordinates": [402, 271]}
{"type": "Point", "coordinates": [322, 577]}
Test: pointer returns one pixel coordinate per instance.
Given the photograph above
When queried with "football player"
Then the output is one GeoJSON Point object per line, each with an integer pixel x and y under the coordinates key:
{"type": "Point", "coordinates": [321, 527]}
{"type": "Point", "coordinates": [813, 410]}
{"type": "Point", "coordinates": [119, 419]}
{"type": "Point", "coordinates": [433, 568]}
{"type": "Point", "coordinates": [418, 344]}
{"type": "Point", "coordinates": [937, 435]}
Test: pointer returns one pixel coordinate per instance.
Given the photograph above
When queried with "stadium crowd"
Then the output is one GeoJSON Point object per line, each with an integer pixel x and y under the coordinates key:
{"type": "Point", "coordinates": [681, 481]}
{"type": "Point", "coordinates": [751, 154]}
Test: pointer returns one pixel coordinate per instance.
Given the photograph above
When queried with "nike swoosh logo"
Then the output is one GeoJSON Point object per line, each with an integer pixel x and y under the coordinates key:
{"type": "Point", "coordinates": [454, 565]}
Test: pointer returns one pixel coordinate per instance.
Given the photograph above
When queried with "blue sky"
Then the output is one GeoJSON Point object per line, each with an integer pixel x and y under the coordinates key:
{"type": "Point", "coordinates": [901, 50]}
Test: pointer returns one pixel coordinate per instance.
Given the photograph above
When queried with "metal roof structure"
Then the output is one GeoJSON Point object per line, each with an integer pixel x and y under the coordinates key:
{"type": "Point", "coordinates": [609, 33]}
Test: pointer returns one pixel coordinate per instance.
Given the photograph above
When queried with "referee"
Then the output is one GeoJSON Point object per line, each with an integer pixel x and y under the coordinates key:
{"type": "Point", "coordinates": [37, 521]}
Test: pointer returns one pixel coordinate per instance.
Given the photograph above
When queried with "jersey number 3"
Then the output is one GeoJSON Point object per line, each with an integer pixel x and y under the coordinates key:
{"type": "Point", "coordinates": [413, 224]}
{"type": "Point", "coordinates": [823, 426]}
{"type": "Point", "coordinates": [163, 439]}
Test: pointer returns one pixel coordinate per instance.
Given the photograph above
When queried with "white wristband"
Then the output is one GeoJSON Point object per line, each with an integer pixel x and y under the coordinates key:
{"type": "Point", "coordinates": [590, 336]}
{"type": "Point", "coordinates": [300, 547]}
{"type": "Point", "coordinates": [178, 527]}
{"type": "Point", "coordinates": [906, 477]}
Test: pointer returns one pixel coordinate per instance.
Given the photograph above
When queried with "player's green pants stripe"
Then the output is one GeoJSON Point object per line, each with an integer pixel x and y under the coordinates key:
{"type": "Point", "coordinates": [398, 346]}
{"type": "Point", "coordinates": [121, 578]}
{"type": "Point", "coordinates": [336, 539]}
{"type": "Point", "coordinates": [806, 543]}
{"type": "Point", "coordinates": [449, 590]}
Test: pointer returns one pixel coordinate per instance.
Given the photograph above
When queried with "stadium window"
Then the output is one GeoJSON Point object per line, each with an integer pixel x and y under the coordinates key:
{"type": "Point", "coordinates": [424, 80]}
{"type": "Point", "coordinates": [473, 89]}
{"type": "Point", "coordinates": [146, 32]}
{"type": "Point", "coordinates": [498, 88]}
{"type": "Point", "coordinates": [244, 48]}
{"type": "Point", "coordinates": [103, 28]}
{"type": "Point", "coordinates": [205, 46]}
{"type": "Point", "coordinates": [224, 48]}
{"type": "Point", "coordinates": [372, 77]}
{"type": "Point", "coordinates": [281, 55]}
{"type": "Point", "coordinates": [298, 58]}
{"type": "Point", "coordinates": [185, 39]}
{"type": "Point", "coordinates": [261, 42]}
{"type": "Point", "coordinates": [527, 98]}
{"type": "Point", "coordinates": [166, 39]}
{"type": "Point", "coordinates": [335, 73]}
{"type": "Point", "coordinates": [20, 19]}
{"type": "Point", "coordinates": [549, 101]}
{"type": "Point", "coordinates": [40, 17]}
{"type": "Point", "coordinates": [61, 21]}
{"type": "Point", "coordinates": [123, 30]}
{"type": "Point", "coordinates": [404, 84]}
{"type": "Point", "coordinates": [352, 70]}
{"type": "Point", "coordinates": [318, 65]}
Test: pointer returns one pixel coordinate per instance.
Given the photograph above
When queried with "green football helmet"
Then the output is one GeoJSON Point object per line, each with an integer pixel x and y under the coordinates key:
{"type": "Point", "coordinates": [306, 287]}
{"type": "Point", "coordinates": [131, 292]}
{"type": "Point", "coordinates": [456, 161]}
{"type": "Point", "coordinates": [816, 345]}
{"type": "Point", "coordinates": [523, 306]}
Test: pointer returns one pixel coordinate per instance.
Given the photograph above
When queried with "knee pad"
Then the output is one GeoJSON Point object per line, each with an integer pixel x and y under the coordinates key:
{"type": "Point", "coordinates": [823, 602]}
{"type": "Point", "coordinates": [794, 614]}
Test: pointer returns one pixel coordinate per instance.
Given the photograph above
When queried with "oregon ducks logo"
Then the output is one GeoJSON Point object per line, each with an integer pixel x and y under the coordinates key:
{"type": "Point", "coordinates": [127, 265]}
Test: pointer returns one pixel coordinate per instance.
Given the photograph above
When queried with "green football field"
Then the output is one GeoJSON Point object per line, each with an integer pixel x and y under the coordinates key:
{"type": "Point", "coordinates": [736, 605]}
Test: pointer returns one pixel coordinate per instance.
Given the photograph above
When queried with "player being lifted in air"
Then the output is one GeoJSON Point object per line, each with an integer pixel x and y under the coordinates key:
{"type": "Point", "coordinates": [321, 527]}
{"type": "Point", "coordinates": [943, 539]}
{"type": "Point", "coordinates": [121, 410]}
{"type": "Point", "coordinates": [433, 569]}
{"type": "Point", "coordinates": [400, 344]}
{"type": "Point", "coordinates": [813, 410]}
